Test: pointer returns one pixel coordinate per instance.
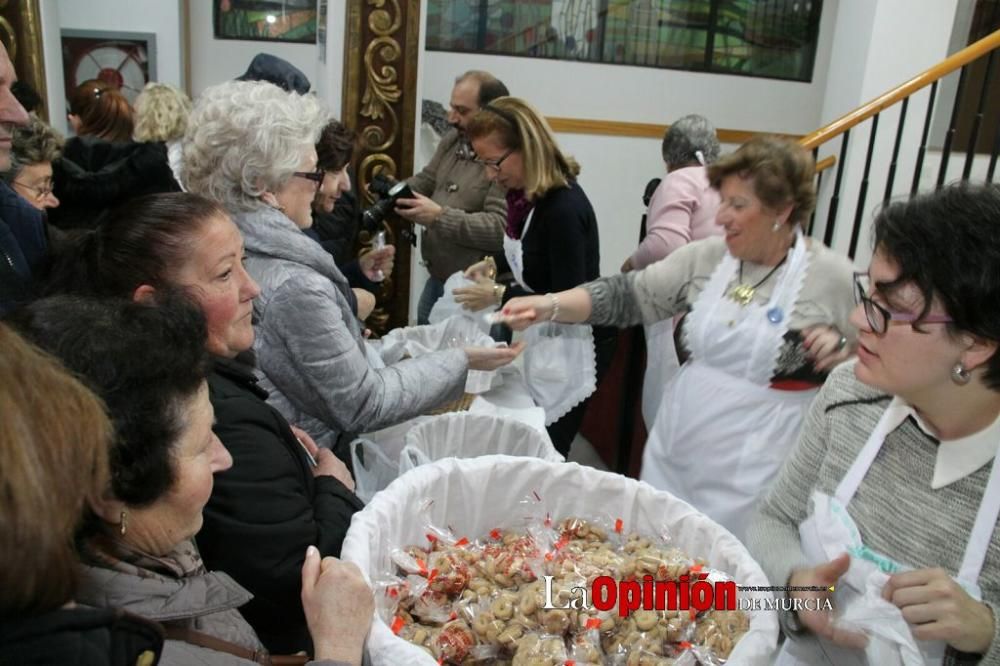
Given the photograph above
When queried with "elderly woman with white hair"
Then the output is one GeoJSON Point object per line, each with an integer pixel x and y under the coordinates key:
{"type": "Point", "coordinates": [251, 147]}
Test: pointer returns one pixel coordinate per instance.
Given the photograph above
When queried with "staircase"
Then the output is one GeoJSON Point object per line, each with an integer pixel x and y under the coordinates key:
{"type": "Point", "coordinates": [950, 133]}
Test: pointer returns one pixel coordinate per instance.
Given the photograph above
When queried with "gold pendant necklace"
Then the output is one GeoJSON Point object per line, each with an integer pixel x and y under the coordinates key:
{"type": "Point", "coordinates": [743, 293]}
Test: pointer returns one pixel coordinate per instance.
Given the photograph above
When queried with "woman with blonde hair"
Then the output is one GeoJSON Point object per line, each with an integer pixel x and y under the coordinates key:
{"type": "Point", "coordinates": [161, 113]}
{"type": "Point", "coordinates": [550, 241]}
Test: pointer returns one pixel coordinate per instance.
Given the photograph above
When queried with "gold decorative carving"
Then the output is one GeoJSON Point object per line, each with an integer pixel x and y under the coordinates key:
{"type": "Point", "coordinates": [379, 91]}
{"type": "Point", "coordinates": [9, 38]}
{"type": "Point", "coordinates": [21, 32]}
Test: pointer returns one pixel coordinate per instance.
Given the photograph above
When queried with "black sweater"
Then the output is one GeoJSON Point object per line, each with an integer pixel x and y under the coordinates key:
{"type": "Point", "coordinates": [267, 509]}
{"type": "Point", "coordinates": [561, 248]}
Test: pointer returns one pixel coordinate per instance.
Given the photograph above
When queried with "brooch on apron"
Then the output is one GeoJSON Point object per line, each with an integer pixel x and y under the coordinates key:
{"type": "Point", "coordinates": [743, 293]}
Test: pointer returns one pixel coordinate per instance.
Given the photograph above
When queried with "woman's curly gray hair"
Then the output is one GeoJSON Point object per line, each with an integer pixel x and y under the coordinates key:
{"type": "Point", "coordinates": [33, 143]}
{"type": "Point", "coordinates": [245, 138]}
{"type": "Point", "coordinates": [687, 137]}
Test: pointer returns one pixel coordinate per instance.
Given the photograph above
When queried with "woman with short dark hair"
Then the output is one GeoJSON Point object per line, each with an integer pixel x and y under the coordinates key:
{"type": "Point", "coordinates": [892, 495]}
{"type": "Point", "coordinates": [766, 319]}
{"type": "Point", "coordinates": [274, 502]}
{"type": "Point", "coordinates": [149, 364]}
{"type": "Point", "coordinates": [54, 439]}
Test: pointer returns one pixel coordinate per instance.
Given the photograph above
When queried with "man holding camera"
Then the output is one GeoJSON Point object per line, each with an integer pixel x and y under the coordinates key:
{"type": "Point", "coordinates": [463, 214]}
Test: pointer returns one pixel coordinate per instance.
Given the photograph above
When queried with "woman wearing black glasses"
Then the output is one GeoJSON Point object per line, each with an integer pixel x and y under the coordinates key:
{"type": "Point", "coordinates": [251, 147]}
{"type": "Point", "coordinates": [550, 241]}
{"type": "Point", "coordinates": [889, 503]}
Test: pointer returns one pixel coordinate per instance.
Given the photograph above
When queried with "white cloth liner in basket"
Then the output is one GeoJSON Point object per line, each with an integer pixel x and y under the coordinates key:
{"type": "Point", "coordinates": [470, 435]}
{"type": "Point", "coordinates": [560, 366]}
{"type": "Point", "coordinates": [391, 452]}
{"type": "Point", "coordinates": [475, 495]}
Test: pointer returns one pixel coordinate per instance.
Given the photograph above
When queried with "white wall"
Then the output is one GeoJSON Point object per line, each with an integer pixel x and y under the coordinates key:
{"type": "Point", "coordinates": [615, 169]}
{"type": "Point", "coordinates": [217, 60]}
{"type": "Point", "coordinates": [161, 17]}
{"type": "Point", "coordinates": [329, 81]}
{"type": "Point", "coordinates": [876, 48]}
{"type": "Point", "coordinates": [52, 58]}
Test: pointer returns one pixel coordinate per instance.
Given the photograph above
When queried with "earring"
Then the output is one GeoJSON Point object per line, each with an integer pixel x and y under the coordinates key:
{"type": "Point", "coordinates": [960, 374]}
{"type": "Point", "coordinates": [776, 227]}
{"type": "Point", "coordinates": [123, 523]}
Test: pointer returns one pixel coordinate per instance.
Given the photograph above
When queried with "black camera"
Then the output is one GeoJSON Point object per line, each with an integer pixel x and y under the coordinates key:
{"type": "Point", "coordinates": [388, 192]}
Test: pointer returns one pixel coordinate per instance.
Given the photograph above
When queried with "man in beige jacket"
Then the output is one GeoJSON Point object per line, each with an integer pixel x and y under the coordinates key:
{"type": "Point", "coordinates": [463, 214]}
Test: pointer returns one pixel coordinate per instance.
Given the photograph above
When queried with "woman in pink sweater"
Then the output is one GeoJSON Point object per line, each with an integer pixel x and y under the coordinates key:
{"type": "Point", "coordinates": [683, 207]}
{"type": "Point", "coordinates": [681, 210]}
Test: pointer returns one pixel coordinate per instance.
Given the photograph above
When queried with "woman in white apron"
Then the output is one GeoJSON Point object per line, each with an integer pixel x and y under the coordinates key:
{"type": "Point", "coordinates": [681, 210]}
{"type": "Point", "coordinates": [768, 311]}
{"type": "Point", "coordinates": [888, 505]}
{"type": "Point", "coordinates": [550, 244]}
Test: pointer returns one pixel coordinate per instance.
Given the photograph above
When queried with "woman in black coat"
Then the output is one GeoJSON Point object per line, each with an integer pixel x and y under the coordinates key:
{"type": "Point", "coordinates": [273, 502]}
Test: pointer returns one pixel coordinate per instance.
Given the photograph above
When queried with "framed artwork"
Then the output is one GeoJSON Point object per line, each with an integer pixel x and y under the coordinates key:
{"type": "Point", "coordinates": [266, 20]}
{"type": "Point", "coordinates": [126, 60]}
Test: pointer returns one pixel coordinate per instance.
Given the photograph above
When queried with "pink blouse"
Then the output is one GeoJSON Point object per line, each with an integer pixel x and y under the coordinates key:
{"type": "Point", "coordinates": [682, 210]}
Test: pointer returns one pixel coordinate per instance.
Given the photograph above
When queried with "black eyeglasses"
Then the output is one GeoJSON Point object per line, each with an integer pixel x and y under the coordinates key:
{"type": "Point", "coordinates": [879, 317]}
{"type": "Point", "coordinates": [495, 164]}
{"type": "Point", "coordinates": [315, 176]}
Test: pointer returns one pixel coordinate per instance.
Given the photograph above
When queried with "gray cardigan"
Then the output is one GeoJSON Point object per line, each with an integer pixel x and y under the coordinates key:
{"type": "Point", "coordinates": [897, 512]}
{"type": "Point", "coordinates": [309, 343]}
{"type": "Point", "coordinates": [205, 601]}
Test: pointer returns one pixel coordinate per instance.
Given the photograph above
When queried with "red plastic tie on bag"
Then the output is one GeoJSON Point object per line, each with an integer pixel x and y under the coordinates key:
{"type": "Point", "coordinates": [569, 662]}
{"type": "Point", "coordinates": [693, 614]}
{"type": "Point", "coordinates": [397, 625]}
{"type": "Point", "coordinates": [453, 616]}
{"type": "Point", "coordinates": [684, 645]}
{"type": "Point", "coordinates": [462, 542]}
{"type": "Point", "coordinates": [432, 575]}
{"type": "Point", "coordinates": [592, 623]}
{"type": "Point", "coordinates": [619, 525]}
{"type": "Point", "coordinates": [496, 534]}
{"type": "Point", "coordinates": [422, 565]}
{"type": "Point", "coordinates": [696, 568]}
{"type": "Point", "coordinates": [431, 538]}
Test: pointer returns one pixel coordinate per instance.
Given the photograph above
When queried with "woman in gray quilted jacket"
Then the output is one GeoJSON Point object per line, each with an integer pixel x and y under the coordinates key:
{"type": "Point", "coordinates": [251, 147]}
